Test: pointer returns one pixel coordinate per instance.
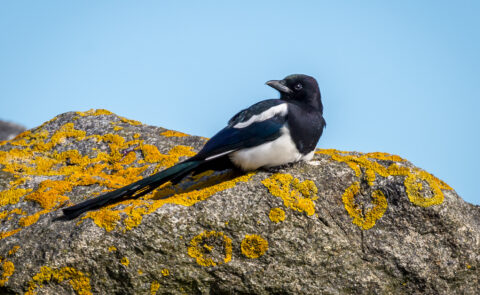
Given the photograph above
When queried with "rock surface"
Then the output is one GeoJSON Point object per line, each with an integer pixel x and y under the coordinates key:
{"type": "Point", "coordinates": [345, 223]}
{"type": "Point", "coordinates": [9, 130]}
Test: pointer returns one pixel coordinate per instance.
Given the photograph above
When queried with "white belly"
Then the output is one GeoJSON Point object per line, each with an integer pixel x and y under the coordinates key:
{"type": "Point", "coordinates": [274, 153]}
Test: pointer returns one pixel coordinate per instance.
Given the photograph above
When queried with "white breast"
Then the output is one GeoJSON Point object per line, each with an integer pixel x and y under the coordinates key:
{"type": "Point", "coordinates": [274, 153]}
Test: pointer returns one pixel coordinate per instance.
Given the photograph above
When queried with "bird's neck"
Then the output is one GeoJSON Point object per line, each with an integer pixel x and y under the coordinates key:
{"type": "Point", "coordinates": [314, 102]}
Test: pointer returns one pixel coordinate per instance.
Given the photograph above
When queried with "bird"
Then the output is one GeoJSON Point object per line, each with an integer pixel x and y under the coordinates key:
{"type": "Point", "coordinates": [270, 133]}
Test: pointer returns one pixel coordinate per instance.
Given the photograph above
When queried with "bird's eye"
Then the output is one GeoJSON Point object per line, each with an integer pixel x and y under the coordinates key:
{"type": "Point", "coordinates": [298, 86]}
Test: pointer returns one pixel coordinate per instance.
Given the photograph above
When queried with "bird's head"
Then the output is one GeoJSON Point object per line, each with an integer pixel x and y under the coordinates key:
{"type": "Point", "coordinates": [300, 88]}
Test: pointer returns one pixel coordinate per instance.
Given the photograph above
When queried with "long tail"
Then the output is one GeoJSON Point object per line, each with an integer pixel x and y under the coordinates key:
{"type": "Point", "coordinates": [136, 189]}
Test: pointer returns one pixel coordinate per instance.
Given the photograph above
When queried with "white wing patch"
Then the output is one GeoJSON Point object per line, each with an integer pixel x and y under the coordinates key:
{"type": "Point", "coordinates": [218, 155]}
{"type": "Point", "coordinates": [280, 109]}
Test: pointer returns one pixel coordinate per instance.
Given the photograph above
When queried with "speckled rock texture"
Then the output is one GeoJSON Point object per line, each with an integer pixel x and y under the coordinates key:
{"type": "Point", "coordinates": [9, 130]}
{"type": "Point", "coordinates": [344, 223]}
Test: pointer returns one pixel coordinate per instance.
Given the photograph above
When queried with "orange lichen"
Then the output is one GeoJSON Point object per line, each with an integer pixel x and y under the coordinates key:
{"type": "Point", "coordinates": [49, 193]}
{"type": "Point", "coordinates": [31, 219]}
{"type": "Point", "coordinates": [296, 195]}
{"type": "Point", "coordinates": [371, 168]}
{"type": "Point", "coordinates": [384, 156]}
{"type": "Point", "coordinates": [125, 261]}
{"type": "Point", "coordinates": [364, 219]}
{"type": "Point", "coordinates": [134, 209]}
{"type": "Point", "coordinates": [175, 153]}
{"type": "Point", "coordinates": [276, 215]}
{"type": "Point", "coordinates": [6, 234]}
{"type": "Point", "coordinates": [366, 166]}
{"type": "Point", "coordinates": [13, 250]}
{"type": "Point", "coordinates": [172, 133]}
{"type": "Point", "coordinates": [5, 214]}
{"type": "Point", "coordinates": [151, 154]}
{"type": "Point", "coordinates": [33, 153]}
{"type": "Point", "coordinates": [154, 286]}
{"type": "Point", "coordinates": [8, 269]}
{"type": "Point", "coordinates": [211, 248]}
{"type": "Point", "coordinates": [165, 272]}
{"type": "Point", "coordinates": [93, 112]}
{"type": "Point", "coordinates": [254, 246]}
{"type": "Point", "coordinates": [414, 187]}
{"type": "Point", "coordinates": [131, 122]}
{"type": "Point", "coordinates": [104, 218]}
{"type": "Point", "coordinates": [77, 279]}
{"type": "Point", "coordinates": [12, 196]}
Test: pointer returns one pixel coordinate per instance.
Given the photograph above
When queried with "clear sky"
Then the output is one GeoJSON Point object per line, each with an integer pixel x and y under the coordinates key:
{"type": "Point", "coordinates": [396, 76]}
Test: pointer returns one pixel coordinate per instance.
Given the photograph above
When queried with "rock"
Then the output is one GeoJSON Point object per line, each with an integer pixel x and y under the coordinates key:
{"type": "Point", "coordinates": [345, 223]}
{"type": "Point", "coordinates": [9, 130]}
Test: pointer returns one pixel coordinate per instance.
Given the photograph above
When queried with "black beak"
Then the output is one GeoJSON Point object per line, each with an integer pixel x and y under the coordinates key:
{"type": "Point", "coordinates": [279, 85]}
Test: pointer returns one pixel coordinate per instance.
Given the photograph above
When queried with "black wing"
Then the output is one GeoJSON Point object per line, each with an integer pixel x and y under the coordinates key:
{"type": "Point", "coordinates": [230, 139]}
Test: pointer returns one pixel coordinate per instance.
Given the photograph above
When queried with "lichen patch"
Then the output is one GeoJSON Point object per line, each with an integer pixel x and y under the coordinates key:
{"type": "Point", "coordinates": [211, 248]}
{"type": "Point", "coordinates": [79, 281]}
{"type": "Point", "coordinates": [296, 195]}
{"type": "Point", "coordinates": [254, 246]}
{"type": "Point", "coordinates": [276, 215]}
{"type": "Point", "coordinates": [418, 183]}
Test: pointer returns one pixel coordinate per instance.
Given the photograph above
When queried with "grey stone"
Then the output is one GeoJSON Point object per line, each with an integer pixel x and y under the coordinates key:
{"type": "Point", "coordinates": [9, 130]}
{"type": "Point", "coordinates": [208, 235]}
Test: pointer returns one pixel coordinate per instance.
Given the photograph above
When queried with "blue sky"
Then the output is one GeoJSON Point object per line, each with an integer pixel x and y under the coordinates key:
{"type": "Point", "coordinates": [396, 76]}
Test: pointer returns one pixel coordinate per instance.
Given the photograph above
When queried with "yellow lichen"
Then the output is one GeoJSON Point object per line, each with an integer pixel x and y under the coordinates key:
{"type": "Point", "coordinates": [414, 188]}
{"type": "Point", "coordinates": [211, 248]}
{"type": "Point", "coordinates": [254, 246]}
{"type": "Point", "coordinates": [365, 164]}
{"type": "Point", "coordinates": [6, 234]}
{"type": "Point", "coordinates": [12, 196]}
{"type": "Point", "coordinates": [49, 193]}
{"type": "Point", "coordinates": [104, 218]}
{"type": "Point", "coordinates": [140, 272]}
{"type": "Point", "coordinates": [77, 279]}
{"type": "Point", "coordinates": [296, 195]}
{"type": "Point", "coordinates": [276, 215]}
{"type": "Point", "coordinates": [125, 261]}
{"type": "Point", "coordinates": [364, 219]}
{"type": "Point", "coordinates": [8, 269]}
{"type": "Point", "coordinates": [31, 219]}
{"type": "Point", "coordinates": [175, 153]}
{"type": "Point", "coordinates": [108, 217]}
{"type": "Point", "coordinates": [7, 214]}
{"type": "Point", "coordinates": [154, 286]}
{"type": "Point", "coordinates": [33, 153]}
{"type": "Point", "coordinates": [117, 128]}
{"type": "Point", "coordinates": [413, 176]}
{"type": "Point", "coordinates": [131, 122]}
{"type": "Point", "coordinates": [93, 112]}
{"type": "Point", "coordinates": [13, 250]}
{"type": "Point", "coordinates": [112, 248]}
{"type": "Point", "coordinates": [172, 133]}
{"type": "Point", "coordinates": [384, 156]}
{"type": "Point", "coordinates": [165, 272]}
{"type": "Point", "coordinates": [151, 153]}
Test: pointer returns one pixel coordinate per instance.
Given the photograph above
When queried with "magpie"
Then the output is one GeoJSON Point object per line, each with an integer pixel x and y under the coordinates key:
{"type": "Point", "coordinates": [270, 133]}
